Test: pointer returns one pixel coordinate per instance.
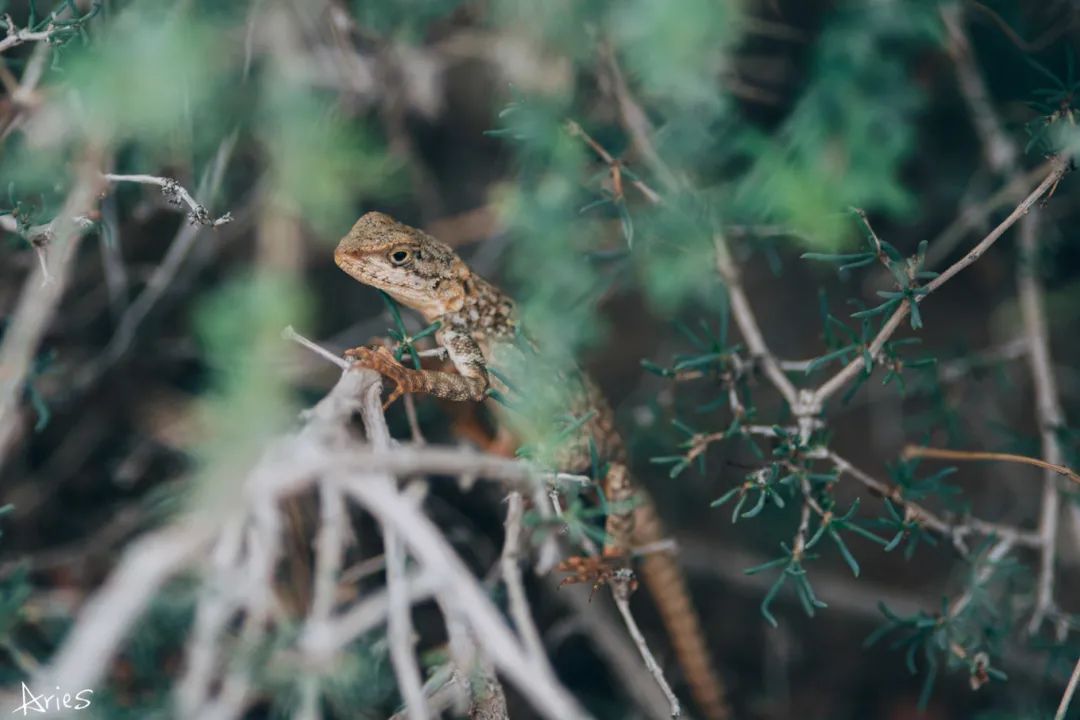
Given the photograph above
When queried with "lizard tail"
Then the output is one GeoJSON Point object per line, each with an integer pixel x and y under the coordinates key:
{"type": "Point", "coordinates": [666, 583]}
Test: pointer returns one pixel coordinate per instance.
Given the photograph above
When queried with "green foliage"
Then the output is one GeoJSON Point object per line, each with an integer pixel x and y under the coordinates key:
{"type": "Point", "coordinates": [65, 22]}
{"type": "Point", "coordinates": [846, 140]}
{"type": "Point", "coordinates": [675, 49]}
{"type": "Point", "coordinates": [558, 285]}
{"type": "Point", "coordinates": [142, 690]}
{"type": "Point", "coordinates": [406, 20]}
{"type": "Point", "coordinates": [405, 341]}
{"type": "Point", "coordinates": [149, 74]}
{"type": "Point", "coordinates": [357, 682]}
{"type": "Point", "coordinates": [319, 163]}
{"type": "Point", "coordinates": [964, 634]}
{"type": "Point", "coordinates": [248, 399]}
{"type": "Point", "coordinates": [675, 239]}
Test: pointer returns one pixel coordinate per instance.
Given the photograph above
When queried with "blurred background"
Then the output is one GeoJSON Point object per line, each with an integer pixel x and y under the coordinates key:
{"type": "Point", "coordinates": [144, 370]}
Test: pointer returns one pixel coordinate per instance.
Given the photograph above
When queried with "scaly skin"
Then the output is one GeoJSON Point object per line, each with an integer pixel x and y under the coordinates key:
{"type": "Point", "coordinates": [479, 331]}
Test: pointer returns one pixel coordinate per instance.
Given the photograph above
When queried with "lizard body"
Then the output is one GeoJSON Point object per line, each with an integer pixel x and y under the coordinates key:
{"type": "Point", "coordinates": [479, 331]}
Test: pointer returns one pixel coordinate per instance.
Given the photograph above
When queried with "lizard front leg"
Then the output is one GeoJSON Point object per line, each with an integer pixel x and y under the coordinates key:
{"type": "Point", "coordinates": [469, 383]}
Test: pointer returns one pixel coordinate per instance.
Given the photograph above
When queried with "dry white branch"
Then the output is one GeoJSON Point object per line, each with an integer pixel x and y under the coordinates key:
{"type": "Point", "coordinates": [511, 572]}
{"type": "Point", "coordinates": [330, 545]}
{"type": "Point", "coordinates": [103, 623]}
{"type": "Point", "coordinates": [217, 603]}
{"type": "Point", "coordinates": [176, 195]}
{"type": "Point", "coordinates": [534, 679]}
{"type": "Point", "coordinates": [16, 36]}
{"type": "Point", "coordinates": [320, 641]}
{"type": "Point", "coordinates": [457, 587]}
{"type": "Point", "coordinates": [399, 629]}
{"type": "Point", "coordinates": [290, 334]}
{"type": "Point", "coordinates": [620, 593]}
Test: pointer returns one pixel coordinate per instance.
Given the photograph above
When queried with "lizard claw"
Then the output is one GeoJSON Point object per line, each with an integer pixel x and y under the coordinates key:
{"type": "Point", "coordinates": [382, 361]}
{"type": "Point", "coordinates": [598, 570]}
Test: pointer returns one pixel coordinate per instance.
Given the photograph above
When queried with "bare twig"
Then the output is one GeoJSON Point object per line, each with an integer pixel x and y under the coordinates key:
{"type": "Point", "coordinates": [976, 215]}
{"type": "Point", "coordinates": [636, 122]}
{"type": "Point", "coordinates": [16, 36]}
{"type": "Point", "coordinates": [458, 589]}
{"type": "Point", "coordinates": [575, 130]}
{"type": "Point", "coordinates": [399, 629]}
{"type": "Point", "coordinates": [290, 334]}
{"type": "Point", "coordinates": [534, 679]}
{"type": "Point", "coordinates": [1048, 411]}
{"type": "Point", "coordinates": [1001, 153]}
{"type": "Point", "coordinates": [748, 326]}
{"type": "Point", "coordinates": [511, 572]}
{"type": "Point", "coordinates": [622, 601]}
{"type": "Point", "coordinates": [176, 195]}
{"type": "Point", "coordinates": [1070, 690]}
{"type": "Point", "coordinates": [1040, 43]}
{"type": "Point", "coordinates": [918, 451]}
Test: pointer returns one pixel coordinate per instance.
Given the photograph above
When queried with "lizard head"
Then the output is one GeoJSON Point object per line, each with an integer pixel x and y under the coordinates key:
{"type": "Point", "coordinates": [411, 266]}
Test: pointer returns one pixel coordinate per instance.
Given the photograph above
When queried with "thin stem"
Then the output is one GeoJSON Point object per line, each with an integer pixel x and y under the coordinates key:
{"type": "Point", "coordinates": [929, 519]}
{"type": "Point", "coordinates": [511, 572]}
{"type": "Point", "coordinates": [918, 451]}
{"type": "Point", "coordinates": [176, 194]}
{"type": "Point", "coordinates": [622, 602]}
{"type": "Point", "coordinates": [747, 322]}
{"type": "Point", "coordinates": [1070, 690]}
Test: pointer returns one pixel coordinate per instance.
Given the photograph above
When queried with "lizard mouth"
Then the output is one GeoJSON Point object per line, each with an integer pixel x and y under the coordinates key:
{"type": "Point", "coordinates": [358, 269]}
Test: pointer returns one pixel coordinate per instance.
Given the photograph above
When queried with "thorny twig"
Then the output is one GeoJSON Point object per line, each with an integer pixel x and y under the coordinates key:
{"type": "Point", "coordinates": [849, 371]}
{"type": "Point", "coordinates": [806, 404]}
{"type": "Point", "coordinates": [955, 532]}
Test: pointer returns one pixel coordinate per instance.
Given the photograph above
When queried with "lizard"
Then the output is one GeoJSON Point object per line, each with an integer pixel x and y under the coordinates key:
{"type": "Point", "coordinates": [478, 328]}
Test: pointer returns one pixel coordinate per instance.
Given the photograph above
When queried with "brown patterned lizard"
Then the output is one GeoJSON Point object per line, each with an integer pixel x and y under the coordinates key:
{"type": "Point", "coordinates": [479, 333]}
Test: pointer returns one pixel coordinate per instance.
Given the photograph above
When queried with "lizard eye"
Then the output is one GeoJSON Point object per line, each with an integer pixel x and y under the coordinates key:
{"type": "Point", "coordinates": [400, 257]}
